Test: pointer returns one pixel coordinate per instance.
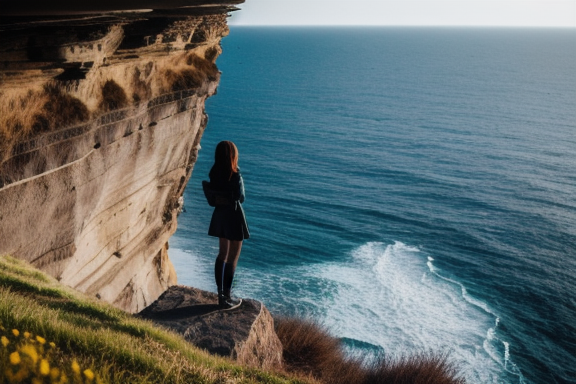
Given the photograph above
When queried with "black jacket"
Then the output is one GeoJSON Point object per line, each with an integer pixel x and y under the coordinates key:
{"type": "Point", "coordinates": [228, 219]}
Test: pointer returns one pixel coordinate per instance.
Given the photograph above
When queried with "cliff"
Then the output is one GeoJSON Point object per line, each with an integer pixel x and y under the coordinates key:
{"type": "Point", "coordinates": [101, 116]}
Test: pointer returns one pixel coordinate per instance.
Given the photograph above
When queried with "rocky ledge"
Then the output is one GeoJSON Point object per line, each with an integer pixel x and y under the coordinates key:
{"type": "Point", "coordinates": [245, 334]}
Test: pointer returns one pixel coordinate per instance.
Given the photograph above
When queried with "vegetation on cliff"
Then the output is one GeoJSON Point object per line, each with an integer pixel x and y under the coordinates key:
{"type": "Point", "coordinates": [310, 350]}
{"type": "Point", "coordinates": [49, 330]}
{"type": "Point", "coordinates": [28, 112]}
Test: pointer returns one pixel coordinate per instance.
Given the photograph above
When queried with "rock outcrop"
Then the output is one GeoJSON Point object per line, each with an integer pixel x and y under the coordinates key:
{"type": "Point", "coordinates": [245, 334]}
{"type": "Point", "coordinates": [101, 116]}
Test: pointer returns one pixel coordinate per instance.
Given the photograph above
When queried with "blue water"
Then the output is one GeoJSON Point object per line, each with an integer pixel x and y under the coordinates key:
{"type": "Point", "coordinates": [413, 189]}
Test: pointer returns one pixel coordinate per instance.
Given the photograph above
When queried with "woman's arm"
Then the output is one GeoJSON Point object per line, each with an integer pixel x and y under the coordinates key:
{"type": "Point", "coordinates": [239, 190]}
{"type": "Point", "coordinates": [241, 195]}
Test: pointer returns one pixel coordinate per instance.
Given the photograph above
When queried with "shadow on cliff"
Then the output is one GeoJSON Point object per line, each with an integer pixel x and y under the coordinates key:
{"type": "Point", "coordinates": [184, 312]}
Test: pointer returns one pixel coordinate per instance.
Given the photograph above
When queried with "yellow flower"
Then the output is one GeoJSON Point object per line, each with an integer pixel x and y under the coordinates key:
{"type": "Point", "coordinates": [27, 334]}
{"type": "Point", "coordinates": [40, 339]}
{"type": "Point", "coordinates": [52, 344]}
{"type": "Point", "coordinates": [89, 374]}
{"type": "Point", "coordinates": [16, 332]}
{"type": "Point", "coordinates": [54, 373]}
{"type": "Point", "coordinates": [75, 367]}
{"type": "Point", "coordinates": [15, 358]}
{"type": "Point", "coordinates": [44, 367]}
{"type": "Point", "coordinates": [5, 341]}
{"type": "Point", "coordinates": [16, 377]}
{"type": "Point", "coordinates": [30, 351]}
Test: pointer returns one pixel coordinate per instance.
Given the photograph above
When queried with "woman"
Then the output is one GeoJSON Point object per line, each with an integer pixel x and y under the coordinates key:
{"type": "Point", "coordinates": [228, 220]}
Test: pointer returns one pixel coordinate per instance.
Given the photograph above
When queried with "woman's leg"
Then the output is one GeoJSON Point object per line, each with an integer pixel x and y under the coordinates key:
{"type": "Point", "coordinates": [220, 263]}
{"type": "Point", "coordinates": [233, 252]}
{"type": "Point", "coordinates": [224, 246]}
{"type": "Point", "coordinates": [229, 251]}
{"type": "Point", "coordinates": [232, 249]}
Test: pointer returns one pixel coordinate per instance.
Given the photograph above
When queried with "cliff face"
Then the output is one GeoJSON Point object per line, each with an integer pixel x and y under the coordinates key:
{"type": "Point", "coordinates": [101, 117]}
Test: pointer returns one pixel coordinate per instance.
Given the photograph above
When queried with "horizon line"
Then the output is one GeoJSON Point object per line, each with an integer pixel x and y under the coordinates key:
{"type": "Point", "coordinates": [407, 25]}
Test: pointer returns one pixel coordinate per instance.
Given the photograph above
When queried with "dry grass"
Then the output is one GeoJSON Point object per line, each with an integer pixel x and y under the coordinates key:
{"type": "Point", "coordinates": [113, 97]}
{"type": "Point", "coordinates": [140, 89]}
{"type": "Point", "coordinates": [211, 54]}
{"type": "Point", "coordinates": [188, 72]}
{"type": "Point", "coordinates": [309, 349]}
{"type": "Point", "coordinates": [36, 111]}
{"type": "Point", "coordinates": [424, 368]}
{"type": "Point", "coordinates": [25, 114]}
{"type": "Point", "coordinates": [61, 110]}
{"type": "Point", "coordinates": [206, 67]}
{"type": "Point", "coordinates": [182, 80]}
{"type": "Point", "coordinates": [18, 111]}
{"type": "Point", "coordinates": [147, 79]}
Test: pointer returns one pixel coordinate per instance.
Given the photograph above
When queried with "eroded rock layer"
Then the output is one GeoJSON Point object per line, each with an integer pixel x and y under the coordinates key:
{"type": "Point", "coordinates": [101, 117]}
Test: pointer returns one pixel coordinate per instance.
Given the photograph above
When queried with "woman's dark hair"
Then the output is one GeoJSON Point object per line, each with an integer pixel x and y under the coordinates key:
{"type": "Point", "coordinates": [225, 160]}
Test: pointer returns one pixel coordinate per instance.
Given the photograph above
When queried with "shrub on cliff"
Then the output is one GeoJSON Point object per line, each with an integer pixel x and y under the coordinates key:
{"type": "Point", "coordinates": [204, 66]}
{"type": "Point", "coordinates": [309, 349]}
{"type": "Point", "coordinates": [211, 54]}
{"type": "Point", "coordinates": [416, 369]}
{"type": "Point", "coordinates": [33, 112]}
{"type": "Point", "coordinates": [183, 80]}
{"type": "Point", "coordinates": [62, 109]}
{"type": "Point", "coordinates": [24, 115]}
{"type": "Point", "coordinates": [113, 97]}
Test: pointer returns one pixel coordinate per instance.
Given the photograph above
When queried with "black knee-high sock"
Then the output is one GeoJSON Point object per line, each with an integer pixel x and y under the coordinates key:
{"type": "Point", "coordinates": [228, 278]}
{"type": "Point", "coordinates": [218, 271]}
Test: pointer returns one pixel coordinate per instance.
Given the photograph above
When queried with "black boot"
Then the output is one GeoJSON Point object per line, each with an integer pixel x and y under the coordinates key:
{"type": "Point", "coordinates": [226, 300]}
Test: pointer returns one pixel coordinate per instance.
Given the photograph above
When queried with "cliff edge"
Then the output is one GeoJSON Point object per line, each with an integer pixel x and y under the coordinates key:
{"type": "Point", "coordinates": [101, 116]}
{"type": "Point", "coordinates": [245, 334]}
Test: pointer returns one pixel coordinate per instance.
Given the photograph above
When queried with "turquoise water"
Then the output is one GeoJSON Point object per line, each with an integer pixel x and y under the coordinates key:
{"type": "Point", "coordinates": [412, 188]}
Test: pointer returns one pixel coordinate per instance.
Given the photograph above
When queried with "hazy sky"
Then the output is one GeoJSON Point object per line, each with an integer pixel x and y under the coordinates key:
{"type": "Point", "coordinates": [407, 12]}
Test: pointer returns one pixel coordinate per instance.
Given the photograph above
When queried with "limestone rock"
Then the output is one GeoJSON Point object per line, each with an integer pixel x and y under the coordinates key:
{"type": "Point", "coordinates": [101, 116]}
{"type": "Point", "coordinates": [245, 334]}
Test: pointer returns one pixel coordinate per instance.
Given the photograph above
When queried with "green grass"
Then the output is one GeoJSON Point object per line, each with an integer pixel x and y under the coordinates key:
{"type": "Point", "coordinates": [115, 345]}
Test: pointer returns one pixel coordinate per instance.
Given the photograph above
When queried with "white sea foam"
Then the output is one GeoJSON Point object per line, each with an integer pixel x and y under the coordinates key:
{"type": "Point", "coordinates": [393, 296]}
{"type": "Point", "coordinates": [192, 269]}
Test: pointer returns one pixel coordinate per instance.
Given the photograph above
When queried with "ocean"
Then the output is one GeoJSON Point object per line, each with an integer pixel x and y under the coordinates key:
{"type": "Point", "coordinates": [412, 189]}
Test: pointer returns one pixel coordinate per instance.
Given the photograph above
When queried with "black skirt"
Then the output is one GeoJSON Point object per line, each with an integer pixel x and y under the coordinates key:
{"type": "Point", "coordinates": [229, 222]}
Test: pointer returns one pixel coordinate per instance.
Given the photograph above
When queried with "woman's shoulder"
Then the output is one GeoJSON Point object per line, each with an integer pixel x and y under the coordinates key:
{"type": "Point", "coordinates": [236, 176]}
{"type": "Point", "coordinates": [218, 179]}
